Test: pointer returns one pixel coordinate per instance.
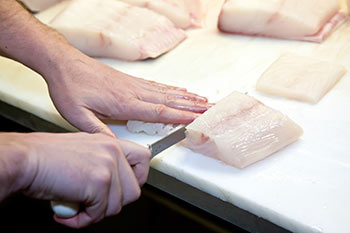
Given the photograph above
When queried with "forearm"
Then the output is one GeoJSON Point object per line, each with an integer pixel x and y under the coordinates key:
{"type": "Point", "coordinates": [14, 158]}
{"type": "Point", "coordinates": [25, 39]}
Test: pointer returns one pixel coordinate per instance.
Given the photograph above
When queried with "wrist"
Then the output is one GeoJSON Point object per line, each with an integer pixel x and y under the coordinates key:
{"type": "Point", "coordinates": [16, 168]}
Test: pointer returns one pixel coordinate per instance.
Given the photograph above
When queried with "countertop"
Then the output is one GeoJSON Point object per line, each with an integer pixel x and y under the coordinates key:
{"type": "Point", "coordinates": [302, 188]}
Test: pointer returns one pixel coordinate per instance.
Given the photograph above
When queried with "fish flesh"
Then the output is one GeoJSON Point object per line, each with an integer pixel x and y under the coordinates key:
{"type": "Point", "coordinates": [239, 131]}
{"type": "Point", "coordinates": [183, 13]}
{"type": "Point", "coordinates": [345, 6]}
{"type": "Point", "coordinates": [159, 129]}
{"type": "Point", "coordinates": [39, 5]}
{"type": "Point", "coordinates": [307, 20]}
{"type": "Point", "coordinates": [114, 29]}
{"type": "Point", "coordinates": [300, 78]}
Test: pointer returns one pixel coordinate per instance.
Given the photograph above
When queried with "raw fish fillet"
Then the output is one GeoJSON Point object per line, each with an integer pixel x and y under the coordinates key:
{"type": "Point", "coordinates": [308, 20]}
{"type": "Point", "coordinates": [150, 128]}
{"type": "Point", "coordinates": [183, 13]}
{"type": "Point", "coordinates": [39, 5]}
{"type": "Point", "coordinates": [345, 6]}
{"type": "Point", "coordinates": [300, 78]}
{"type": "Point", "coordinates": [114, 29]}
{"type": "Point", "coordinates": [239, 130]}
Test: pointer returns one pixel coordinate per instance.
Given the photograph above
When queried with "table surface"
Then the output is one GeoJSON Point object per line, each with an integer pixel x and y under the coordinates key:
{"type": "Point", "coordinates": [303, 188]}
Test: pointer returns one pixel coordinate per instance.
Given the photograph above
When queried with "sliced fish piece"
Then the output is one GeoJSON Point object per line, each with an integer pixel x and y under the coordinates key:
{"type": "Point", "coordinates": [150, 128]}
{"type": "Point", "coordinates": [114, 29]}
{"type": "Point", "coordinates": [183, 13]}
{"type": "Point", "coordinates": [345, 6]}
{"type": "Point", "coordinates": [308, 20]}
{"type": "Point", "coordinates": [239, 131]}
{"type": "Point", "coordinates": [300, 78]}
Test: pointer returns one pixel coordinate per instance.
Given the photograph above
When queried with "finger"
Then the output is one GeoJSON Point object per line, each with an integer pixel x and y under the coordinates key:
{"type": "Point", "coordinates": [160, 113]}
{"type": "Point", "coordinates": [92, 213]}
{"type": "Point", "coordinates": [85, 120]}
{"type": "Point", "coordinates": [78, 221]}
{"type": "Point", "coordinates": [115, 196]}
{"type": "Point", "coordinates": [139, 158]}
{"type": "Point", "coordinates": [178, 93]}
{"type": "Point", "coordinates": [175, 102]}
{"type": "Point", "coordinates": [130, 188]}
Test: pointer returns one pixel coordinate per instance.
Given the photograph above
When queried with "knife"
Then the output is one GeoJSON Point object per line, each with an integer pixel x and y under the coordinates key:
{"type": "Point", "coordinates": [68, 210]}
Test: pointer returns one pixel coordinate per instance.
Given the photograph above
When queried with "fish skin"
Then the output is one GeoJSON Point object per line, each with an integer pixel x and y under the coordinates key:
{"type": "Point", "coordinates": [113, 29]}
{"type": "Point", "coordinates": [285, 19]}
{"type": "Point", "coordinates": [239, 131]}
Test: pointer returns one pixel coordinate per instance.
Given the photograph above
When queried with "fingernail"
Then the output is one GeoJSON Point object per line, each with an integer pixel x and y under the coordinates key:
{"type": "Point", "coordinates": [201, 98]}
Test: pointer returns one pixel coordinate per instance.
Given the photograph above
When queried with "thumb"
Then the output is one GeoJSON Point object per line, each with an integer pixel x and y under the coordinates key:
{"type": "Point", "coordinates": [85, 120]}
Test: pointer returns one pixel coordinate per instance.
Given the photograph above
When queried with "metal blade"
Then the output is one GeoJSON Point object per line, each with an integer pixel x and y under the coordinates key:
{"type": "Point", "coordinates": [166, 142]}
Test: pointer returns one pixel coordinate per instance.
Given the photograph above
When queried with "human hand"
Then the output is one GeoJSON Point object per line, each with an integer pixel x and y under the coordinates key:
{"type": "Point", "coordinates": [84, 90]}
{"type": "Point", "coordinates": [92, 169]}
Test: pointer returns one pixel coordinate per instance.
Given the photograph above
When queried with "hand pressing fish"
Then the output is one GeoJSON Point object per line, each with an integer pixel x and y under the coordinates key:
{"type": "Point", "coordinates": [306, 20]}
{"type": "Point", "coordinates": [239, 131]}
{"type": "Point", "coordinates": [114, 29]}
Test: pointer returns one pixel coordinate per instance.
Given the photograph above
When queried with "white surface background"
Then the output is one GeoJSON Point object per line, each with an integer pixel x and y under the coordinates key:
{"type": "Point", "coordinates": [303, 188]}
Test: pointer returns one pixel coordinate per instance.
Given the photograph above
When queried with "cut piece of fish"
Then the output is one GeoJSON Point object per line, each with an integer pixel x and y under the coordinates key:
{"type": "Point", "coordinates": [300, 78]}
{"type": "Point", "coordinates": [345, 6]}
{"type": "Point", "coordinates": [114, 29]}
{"type": "Point", "coordinates": [239, 131]}
{"type": "Point", "coordinates": [150, 128]}
{"type": "Point", "coordinates": [183, 13]}
{"type": "Point", "coordinates": [39, 5]}
{"type": "Point", "coordinates": [307, 20]}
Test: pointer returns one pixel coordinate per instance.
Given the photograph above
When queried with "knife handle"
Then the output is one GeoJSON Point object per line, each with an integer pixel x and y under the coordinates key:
{"type": "Point", "coordinates": [65, 209]}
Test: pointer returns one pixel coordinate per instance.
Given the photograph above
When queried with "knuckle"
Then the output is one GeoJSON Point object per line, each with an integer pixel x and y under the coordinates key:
{"type": "Point", "coordinates": [160, 110]}
{"type": "Point", "coordinates": [169, 100]}
{"type": "Point", "coordinates": [137, 193]}
{"type": "Point", "coordinates": [117, 209]}
{"type": "Point", "coordinates": [112, 147]}
{"type": "Point", "coordinates": [162, 90]}
{"type": "Point", "coordinates": [109, 161]}
{"type": "Point", "coordinates": [102, 177]}
{"type": "Point", "coordinates": [93, 128]}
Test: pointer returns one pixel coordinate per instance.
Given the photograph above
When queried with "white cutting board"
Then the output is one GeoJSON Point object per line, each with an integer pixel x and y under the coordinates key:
{"type": "Point", "coordinates": [303, 188]}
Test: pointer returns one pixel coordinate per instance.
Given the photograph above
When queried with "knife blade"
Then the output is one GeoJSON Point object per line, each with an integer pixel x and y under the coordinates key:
{"type": "Point", "coordinates": [167, 141]}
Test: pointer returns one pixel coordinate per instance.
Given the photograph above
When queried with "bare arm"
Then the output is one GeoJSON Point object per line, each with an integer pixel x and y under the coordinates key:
{"type": "Point", "coordinates": [26, 40]}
